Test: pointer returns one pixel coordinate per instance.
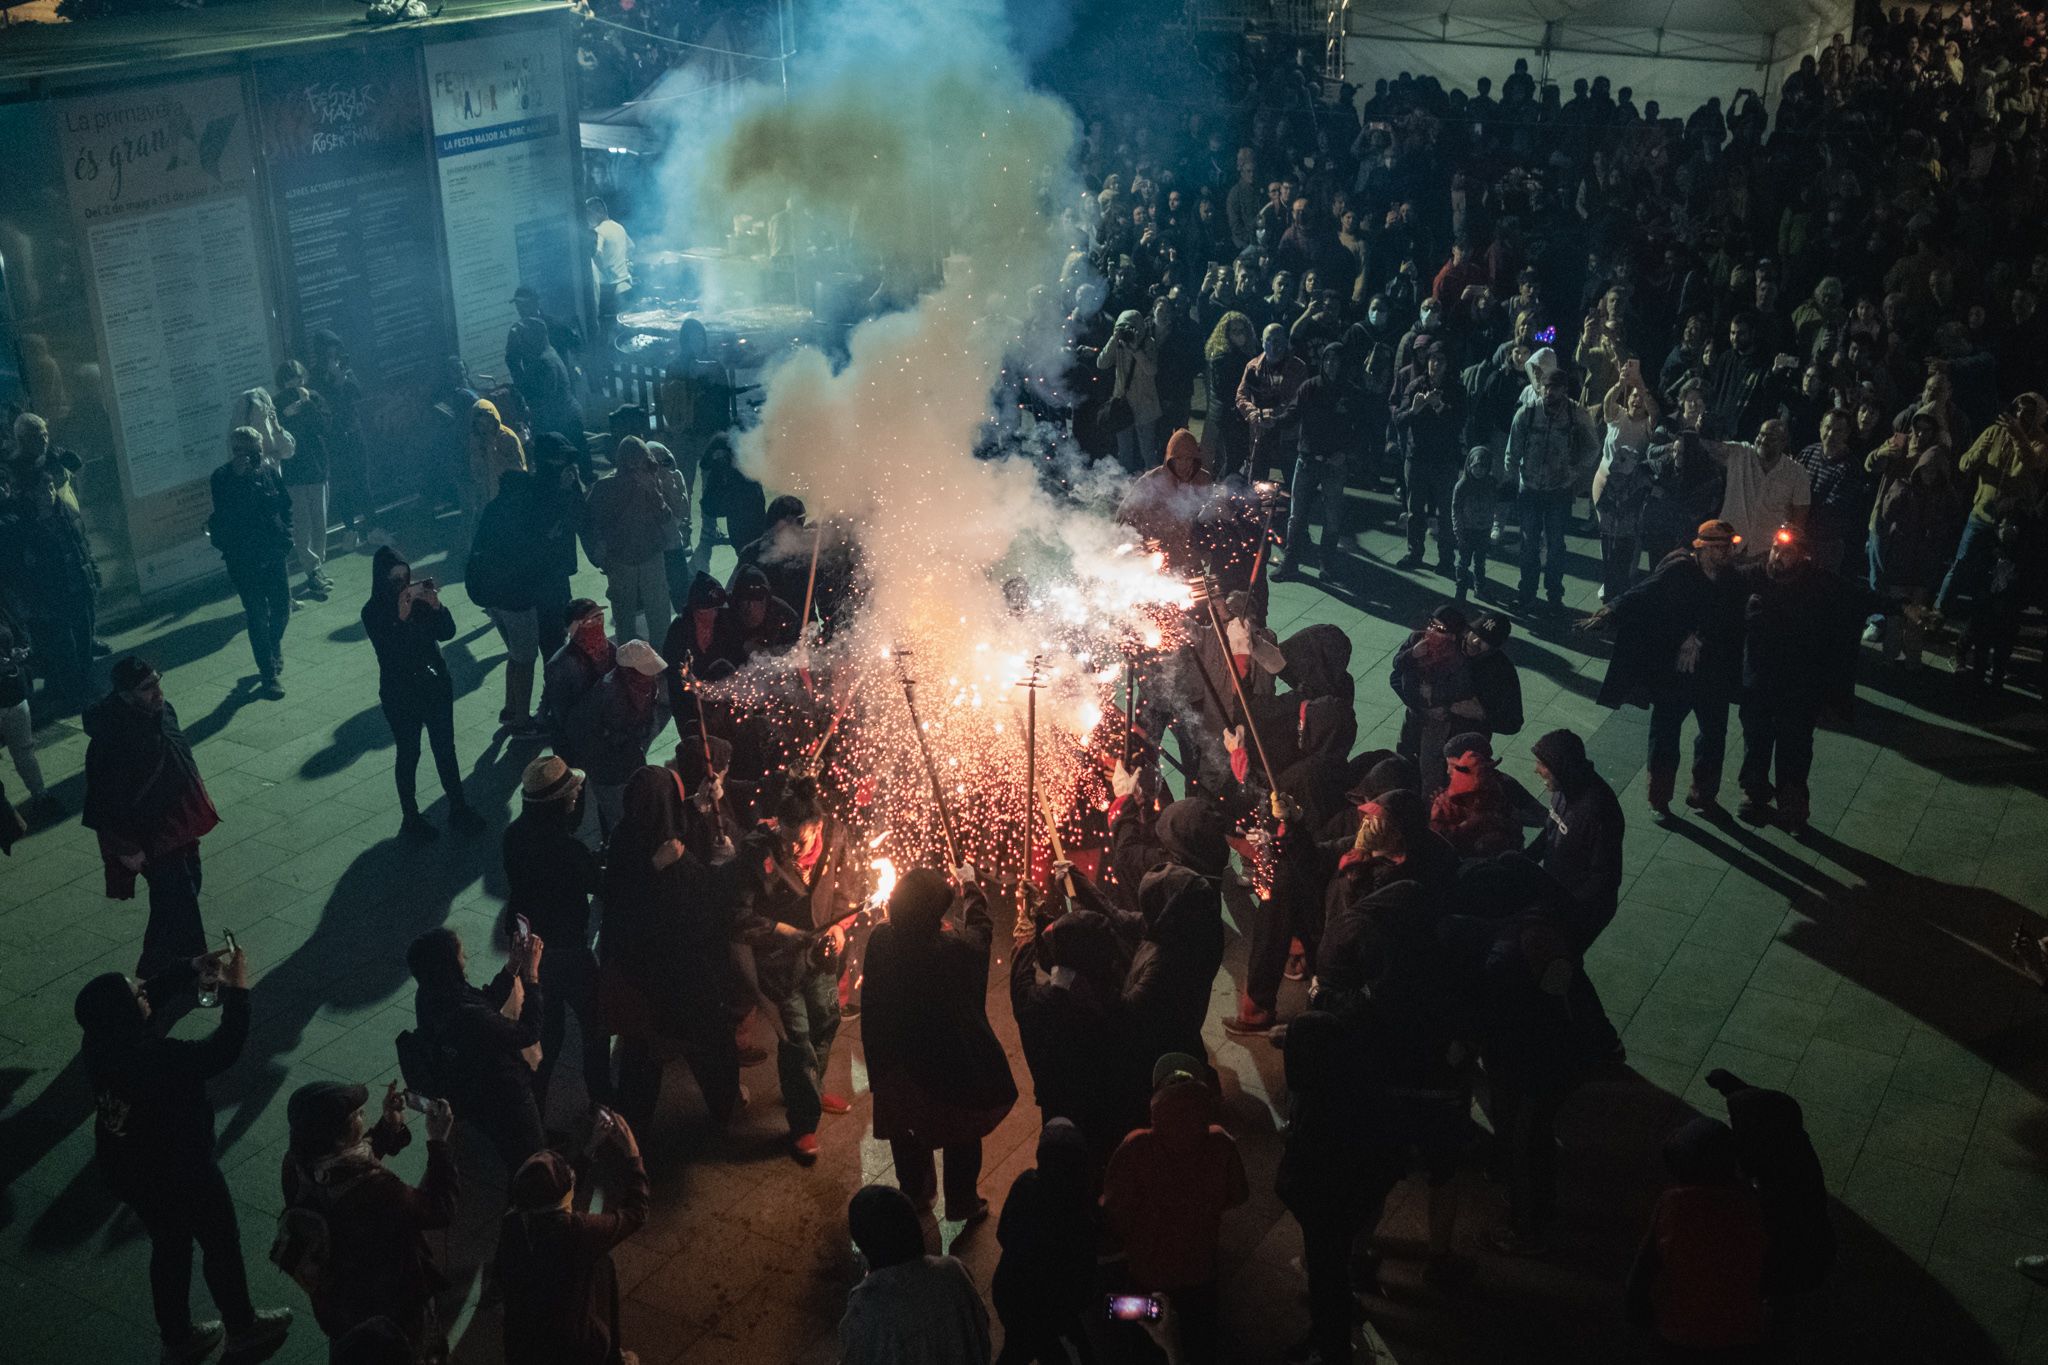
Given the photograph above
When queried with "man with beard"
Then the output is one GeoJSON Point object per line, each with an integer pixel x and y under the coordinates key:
{"type": "Point", "coordinates": [1799, 656]}
{"type": "Point", "coordinates": [1744, 382]}
{"type": "Point", "coordinates": [145, 800]}
{"type": "Point", "coordinates": [1678, 651]}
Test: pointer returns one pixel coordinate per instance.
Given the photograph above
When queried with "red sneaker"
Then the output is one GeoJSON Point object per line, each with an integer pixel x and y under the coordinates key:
{"type": "Point", "coordinates": [804, 1148]}
{"type": "Point", "coordinates": [835, 1104]}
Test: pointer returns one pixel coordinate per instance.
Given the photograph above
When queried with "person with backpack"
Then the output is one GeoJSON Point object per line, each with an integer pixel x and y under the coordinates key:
{"type": "Point", "coordinates": [554, 1264]}
{"type": "Point", "coordinates": [352, 1233]}
{"type": "Point", "coordinates": [153, 1141]}
{"type": "Point", "coordinates": [478, 1048]}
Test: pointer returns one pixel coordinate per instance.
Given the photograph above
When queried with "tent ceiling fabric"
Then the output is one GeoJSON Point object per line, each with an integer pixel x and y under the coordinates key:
{"type": "Point", "coordinates": [1691, 16]}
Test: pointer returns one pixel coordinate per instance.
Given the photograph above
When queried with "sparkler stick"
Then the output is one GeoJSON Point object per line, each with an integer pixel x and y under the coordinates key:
{"type": "Point", "coordinates": [1245, 707]}
{"type": "Point", "coordinates": [811, 583]}
{"type": "Point", "coordinates": [1059, 848]}
{"type": "Point", "coordinates": [1030, 686]}
{"type": "Point", "coordinates": [1130, 705]}
{"type": "Point", "coordinates": [931, 769]}
{"type": "Point", "coordinates": [703, 726]}
{"type": "Point", "coordinates": [1266, 504]}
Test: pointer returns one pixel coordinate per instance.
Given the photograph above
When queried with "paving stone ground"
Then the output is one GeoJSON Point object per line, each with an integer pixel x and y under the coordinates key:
{"type": "Point", "coordinates": [1861, 969]}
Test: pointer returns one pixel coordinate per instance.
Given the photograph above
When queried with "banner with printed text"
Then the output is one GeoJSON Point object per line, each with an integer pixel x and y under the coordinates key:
{"type": "Point", "coordinates": [161, 186]}
{"type": "Point", "coordinates": [501, 122]}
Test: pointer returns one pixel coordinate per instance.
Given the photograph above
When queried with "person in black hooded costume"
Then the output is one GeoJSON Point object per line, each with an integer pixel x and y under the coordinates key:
{"type": "Point", "coordinates": [1064, 1019]}
{"type": "Point", "coordinates": [1044, 1281]}
{"type": "Point", "coordinates": [406, 624]}
{"type": "Point", "coordinates": [153, 1141]}
{"type": "Point", "coordinates": [940, 1079]}
{"type": "Point", "coordinates": [1581, 843]}
{"type": "Point", "coordinates": [1181, 901]}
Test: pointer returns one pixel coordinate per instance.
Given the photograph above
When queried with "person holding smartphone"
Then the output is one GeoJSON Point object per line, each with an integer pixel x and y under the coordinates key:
{"type": "Point", "coordinates": [488, 1040]}
{"type": "Point", "coordinates": [153, 1141]}
{"type": "Point", "coordinates": [377, 1263]}
{"type": "Point", "coordinates": [406, 624]}
{"type": "Point", "coordinates": [554, 1264]}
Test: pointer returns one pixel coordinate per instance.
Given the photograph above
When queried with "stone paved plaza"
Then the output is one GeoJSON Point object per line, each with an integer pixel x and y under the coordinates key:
{"type": "Point", "coordinates": [1861, 969]}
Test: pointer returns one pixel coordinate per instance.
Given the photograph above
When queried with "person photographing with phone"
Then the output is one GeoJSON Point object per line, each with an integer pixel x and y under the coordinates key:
{"type": "Point", "coordinates": [554, 1264]}
{"type": "Point", "coordinates": [153, 1141]}
{"type": "Point", "coordinates": [478, 1048]}
{"type": "Point", "coordinates": [406, 624]}
{"type": "Point", "coordinates": [352, 1232]}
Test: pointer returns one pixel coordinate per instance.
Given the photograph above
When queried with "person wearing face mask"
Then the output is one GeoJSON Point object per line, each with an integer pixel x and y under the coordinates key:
{"type": "Point", "coordinates": [153, 1143]}
{"type": "Point", "coordinates": [1481, 811]}
{"type": "Point", "coordinates": [1678, 651]}
{"type": "Point", "coordinates": [406, 624]}
{"type": "Point", "coordinates": [1266, 400]}
{"type": "Point", "coordinates": [1798, 658]}
{"type": "Point", "coordinates": [145, 800]}
{"type": "Point", "coordinates": [251, 526]}
{"type": "Point", "coordinates": [612, 725]}
{"type": "Point", "coordinates": [584, 658]}
{"type": "Point", "coordinates": [377, 1262]}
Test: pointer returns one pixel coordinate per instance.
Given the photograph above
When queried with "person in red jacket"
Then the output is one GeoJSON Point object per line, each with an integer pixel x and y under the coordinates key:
{"type": "Point", "coordinates": [1165, 1193]}
{"type": "Point", "coordinates": [377, 1263]}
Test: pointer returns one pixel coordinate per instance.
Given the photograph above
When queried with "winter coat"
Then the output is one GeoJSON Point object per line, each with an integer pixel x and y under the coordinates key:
{"type": "Point", "coordinates": [1174, 968]}
{"type": "Point", "coordinates": [626, 520]}
{"type": "Point", "coordinates": [251, 524]}
{"type": "Point", "coordinates": [2011, 471]}
{"type": "Point", "coordinates": [552, 1265]}
{"type": "Point", "coordinates": [379, 1263]}
{"type": "Point", "coordinates": [1548, 452]}
{"type": "Point", "coordinates": [1581, 847]}
{"type": "Point", "coordinates": [486, 1049]}
{"type": "Point", "coordinates": [1801, 638]}
{"type": "Point", "coordinates": [609, 729]}
{"type": "Point", "coordinates": [409, 662]}
{"type": "Point", "coordinates": [938, 1073]}
{"type": "Point", "coordinates": [1063, 1026]}
{"type": "Point", "coordinates": [143, 792]}
{"type": "Point", "coordinates": [1474, 500]}
{"type": "Point", "coordinates": [507, 569]}
{"type": "Point", "coordinates": [493, 454]}
{"type": "Point", "coordinates": [1268, 391]}
{"type": "Point", "coordinates": [1918, 516]}
{"type": "Point", "coordinates": [1168, 1187]}
{"type": "Point", "coordinates": [1653, 619]}
{"type": "Point", "coordinates": [306, 423]}
{"type": "Point", "coordinates": [154, 1121]}
{"type": "Point", "coordinates": [1434, 437]}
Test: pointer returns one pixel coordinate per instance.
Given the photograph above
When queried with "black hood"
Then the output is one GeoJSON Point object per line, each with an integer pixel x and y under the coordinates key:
{"type": "Point", "coordinates": [1318, 663]}
{"type": "Point", "coordinates": [1177, 903]}
{"type": "Point", "coordinates": [1195, 835]}
{"type": "Point", "coordinates": [381, 564]}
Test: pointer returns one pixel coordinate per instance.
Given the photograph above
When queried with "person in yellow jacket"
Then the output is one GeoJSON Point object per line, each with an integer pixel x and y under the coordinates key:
{"type": "Point", "coordinates": [493, 449]}
{"type": "Point", "coordinates": [2010, 464]}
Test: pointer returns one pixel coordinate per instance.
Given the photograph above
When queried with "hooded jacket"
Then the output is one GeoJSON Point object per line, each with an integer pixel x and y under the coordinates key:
{"type": "Point", "coordinates": [938, 1073]}
{"type": "Point", "coordinates": [1918, 516]}
{"type": "Point", "coordinates": [1581, 843]}
{"type": "Point", "coordinates": [2010, 469]}
{"type": "Point", "coordinates": [1770, 1136]}
{"type": "Point", "coordinates": [492, 454]}
{"type": "Point", "coordinates": [1168, 1187]}
{"type": "Point", "coordinates": [1174, 968]}
{"type": "Point", "coordinates": [1047, 1233]}
{"type": "Point", "coordinates": [1062, 1023]}
{"type": "Point", "coordinates": [1160, 507]}
{"type": "Point", "coordinates": [507, 569]}
{"type": "Point", "coordinates": [409, 662]}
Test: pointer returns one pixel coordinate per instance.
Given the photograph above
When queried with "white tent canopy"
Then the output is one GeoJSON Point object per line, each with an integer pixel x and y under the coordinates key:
{"type": "Point", "coordinates": [1677, 52]}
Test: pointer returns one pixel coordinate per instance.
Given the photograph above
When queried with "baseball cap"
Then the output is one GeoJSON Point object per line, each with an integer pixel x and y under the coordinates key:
{"type": "Point", "coordinates": [639, 656]}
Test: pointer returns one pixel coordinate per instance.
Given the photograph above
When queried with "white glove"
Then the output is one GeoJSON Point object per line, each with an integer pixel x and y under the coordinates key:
{"type": "Point", "coordinates": [965, 874]}
{"type": "Point", "coordinates": [1123, 781]}
{"type": "Point", "coordinates": [1233, 738]}
{"type": "Point", "coordinates": [1239, 634]}
{"type": "Point", "coordinates": [708, 793]}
